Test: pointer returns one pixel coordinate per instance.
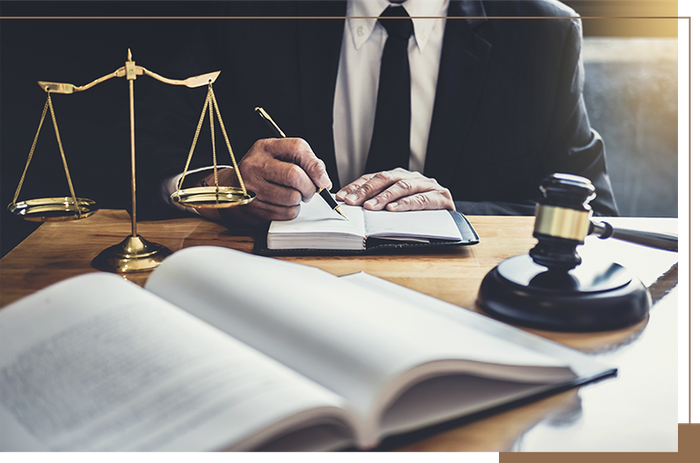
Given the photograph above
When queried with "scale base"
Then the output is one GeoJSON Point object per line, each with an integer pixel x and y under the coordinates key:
{"type": "Point", "coordinates": [134, 254]}
{"type": "Point", "coordinates": [590, 297]}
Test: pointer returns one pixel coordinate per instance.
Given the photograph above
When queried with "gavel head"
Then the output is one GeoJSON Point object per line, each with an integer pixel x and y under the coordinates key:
{"type": "Point", "coordinates": [562, 221]}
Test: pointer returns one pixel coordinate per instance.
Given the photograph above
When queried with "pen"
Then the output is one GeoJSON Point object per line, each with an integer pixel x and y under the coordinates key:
{"type": "Point", "coordinates": [325, 194]}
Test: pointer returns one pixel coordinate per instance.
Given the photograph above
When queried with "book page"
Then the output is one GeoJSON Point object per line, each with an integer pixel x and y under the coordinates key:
{"type": "Point", "coordinates": [447, 397]}
{"type": "Point", "coordinates": [363, 344]}
{"type": "Point", "coordinates": [96, 363]}
{"type": "Point", "coordinates": [504, 335]}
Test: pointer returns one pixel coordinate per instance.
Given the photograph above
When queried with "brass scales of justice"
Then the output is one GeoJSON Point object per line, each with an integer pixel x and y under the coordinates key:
{"type": "Point", "coordinates": [134, 253]}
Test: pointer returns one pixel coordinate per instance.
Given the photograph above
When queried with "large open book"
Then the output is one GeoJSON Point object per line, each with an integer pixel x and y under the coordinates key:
{"type": "Point", "coordinates": [318, 229]}
{"type": "Point", "coordinates": [226, 350]}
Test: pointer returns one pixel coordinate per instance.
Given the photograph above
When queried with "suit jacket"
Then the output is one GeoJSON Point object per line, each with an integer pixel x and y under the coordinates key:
{"type": "Point", "coordinates": [508, 106]}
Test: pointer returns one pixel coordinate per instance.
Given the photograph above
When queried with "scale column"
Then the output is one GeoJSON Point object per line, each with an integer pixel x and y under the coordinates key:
{"type": "Point", "coordinates": [130, 68]}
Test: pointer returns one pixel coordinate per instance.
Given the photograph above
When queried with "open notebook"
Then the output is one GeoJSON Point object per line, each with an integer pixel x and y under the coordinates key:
{"type": "Point", "coordinates": [318, 229]}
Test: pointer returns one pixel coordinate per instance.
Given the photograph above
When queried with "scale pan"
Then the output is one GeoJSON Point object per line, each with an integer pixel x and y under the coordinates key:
{"type": "Point", "coordinates": [55, 209]}
{"type": "Point", "coordinates": [212, 197]}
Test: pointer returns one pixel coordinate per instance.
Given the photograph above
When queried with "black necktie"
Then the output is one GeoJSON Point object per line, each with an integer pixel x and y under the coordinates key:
{"type": "Point", "coordinates": [390, 145]}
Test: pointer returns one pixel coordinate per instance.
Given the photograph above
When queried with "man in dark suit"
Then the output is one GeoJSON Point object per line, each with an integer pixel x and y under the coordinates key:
{"type": "Point", "coordinates": [506, 109]}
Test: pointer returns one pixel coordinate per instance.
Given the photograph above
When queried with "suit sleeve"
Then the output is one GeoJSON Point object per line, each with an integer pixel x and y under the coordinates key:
{"type": "Point", "coordinates": [573, 146]}
{"type": "Point", "coordinates": [570, 145]}
{"type": "Point", "coordinates": [496, 207]}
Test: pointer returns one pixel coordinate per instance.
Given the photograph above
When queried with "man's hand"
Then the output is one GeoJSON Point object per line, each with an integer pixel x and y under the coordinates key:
{"type": "Point", "coordinates": [281, 172]}
{"type": "Point", "coordinates": [396, 190]}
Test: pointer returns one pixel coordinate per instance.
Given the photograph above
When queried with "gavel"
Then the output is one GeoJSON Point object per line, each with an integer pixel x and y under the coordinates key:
{"type": "Point", "coordinates": [563, 220]}
{"type": "Point", "coordinates": [550, 287]}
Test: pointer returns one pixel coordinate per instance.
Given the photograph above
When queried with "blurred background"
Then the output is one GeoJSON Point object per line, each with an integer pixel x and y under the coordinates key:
{"type": "Point", "coordinates": [631, 94]}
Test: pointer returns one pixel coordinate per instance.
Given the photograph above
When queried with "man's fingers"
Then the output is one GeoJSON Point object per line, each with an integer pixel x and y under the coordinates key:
{"type": "Point", "coordinates": [288, 176]}
{"type": "Point", "coordinates": [279, 195]}
{"type": "Point", "coordinates": [369, 185]}
{"type": "Point", "coordinates": [411, 193]}
{"type": "Point", "coordinates": [287, 162]}
{"type": "Point", "coordinates": [282, 172]}
{"type": "Point", "coordinates": [351, 187]}
{"type": "Point", "coordinates": [297, 151]}
{"type": "Point", "coordinates": [397, 190]}
{"type": "Point", "coordinates": [427, 200]}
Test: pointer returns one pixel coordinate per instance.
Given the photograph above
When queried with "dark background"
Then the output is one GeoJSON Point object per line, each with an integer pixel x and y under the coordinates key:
{"type": "Point", "coordinates": [77, 42]}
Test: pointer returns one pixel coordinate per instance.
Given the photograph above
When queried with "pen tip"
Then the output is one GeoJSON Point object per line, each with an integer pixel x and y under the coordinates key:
{"type": "Point", "coordinates": [341, 213]}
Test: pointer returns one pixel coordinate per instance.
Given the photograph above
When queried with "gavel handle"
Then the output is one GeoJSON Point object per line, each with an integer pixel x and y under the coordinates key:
{"type": "Point", "coordinates": [665, 241]}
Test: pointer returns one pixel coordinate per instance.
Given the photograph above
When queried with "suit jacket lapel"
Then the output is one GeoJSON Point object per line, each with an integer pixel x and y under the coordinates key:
{"type": "Point", "coordinates": [319, 54]}
{"type": "Point", "coordinates": [462, 70]}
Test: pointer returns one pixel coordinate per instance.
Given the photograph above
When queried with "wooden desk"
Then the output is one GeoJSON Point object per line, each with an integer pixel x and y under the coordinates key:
{"type": "Point", "coordinates": [636, 411]}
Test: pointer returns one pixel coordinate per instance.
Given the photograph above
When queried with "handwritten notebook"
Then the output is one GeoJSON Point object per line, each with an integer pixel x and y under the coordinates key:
{"type": "Point", "coordinates": [318, 229]}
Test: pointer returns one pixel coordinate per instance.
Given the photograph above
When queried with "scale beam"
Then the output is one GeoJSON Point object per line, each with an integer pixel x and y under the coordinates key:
{"type": "Point", "coordinates": [67, 89]}
{"type": "Point", "coordinates": [134, 254]}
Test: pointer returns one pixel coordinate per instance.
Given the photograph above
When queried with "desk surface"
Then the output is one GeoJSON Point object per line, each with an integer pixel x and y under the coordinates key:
{"type": "Point", "coordinates": [641, 400]}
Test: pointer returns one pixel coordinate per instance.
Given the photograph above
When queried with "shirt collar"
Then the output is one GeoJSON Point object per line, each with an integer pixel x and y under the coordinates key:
{"type": "Point", "coordinates": [362, 18]}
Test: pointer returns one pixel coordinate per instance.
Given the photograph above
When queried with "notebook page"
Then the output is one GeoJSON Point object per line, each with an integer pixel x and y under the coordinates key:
{"type": "Point", "coordinates": [413, 224]}
{"type": "Point", "coordinates": [319, 227]}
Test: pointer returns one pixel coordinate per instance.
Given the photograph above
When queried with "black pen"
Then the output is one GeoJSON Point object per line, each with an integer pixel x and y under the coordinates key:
{"type": "Point", "coordinates": [325, 194]}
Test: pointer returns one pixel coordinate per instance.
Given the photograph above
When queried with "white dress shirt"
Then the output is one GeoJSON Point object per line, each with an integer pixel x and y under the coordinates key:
{"type": "Point", "coordinates": [358, 80]}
